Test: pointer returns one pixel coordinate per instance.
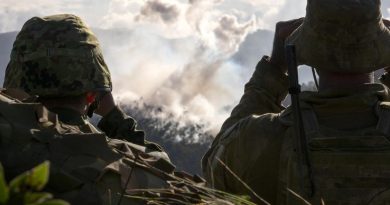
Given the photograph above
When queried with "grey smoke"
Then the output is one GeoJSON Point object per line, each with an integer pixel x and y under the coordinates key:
{"type": "Point", "coordinates": [155, 9]}
{"type": "Point", "coordinates": [205, 1]}
{"type": "Point", "coordinates": [195, 78]}
{"type": "Point", "coordinates": [230, 33]}
{"type": "Point", "coordinates": [192, 77]}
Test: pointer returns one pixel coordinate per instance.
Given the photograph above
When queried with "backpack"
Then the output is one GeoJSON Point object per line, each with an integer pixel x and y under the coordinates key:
{"type": "Point", "coordinates": [347, 167]}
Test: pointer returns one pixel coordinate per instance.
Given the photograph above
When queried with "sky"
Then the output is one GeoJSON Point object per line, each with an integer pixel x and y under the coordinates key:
{"type": "Point", "coordinates": [123, 13]}
{"type": "Point", "coordinates": [177, 54]}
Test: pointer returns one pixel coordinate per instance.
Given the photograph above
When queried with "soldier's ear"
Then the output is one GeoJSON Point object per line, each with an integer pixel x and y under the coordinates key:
{"type": "Point", "coordinates": [91, 96]}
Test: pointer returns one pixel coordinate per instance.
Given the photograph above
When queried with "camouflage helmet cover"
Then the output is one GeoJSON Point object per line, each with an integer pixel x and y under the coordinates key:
{"type": "Point", "coordinates": [343, 36]}
{"type": "Point", "coordinates": [57, 56]}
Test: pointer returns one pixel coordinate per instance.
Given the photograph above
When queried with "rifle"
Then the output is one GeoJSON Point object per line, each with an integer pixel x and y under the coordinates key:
{"type": "Point", "coordinates": [304, 164]}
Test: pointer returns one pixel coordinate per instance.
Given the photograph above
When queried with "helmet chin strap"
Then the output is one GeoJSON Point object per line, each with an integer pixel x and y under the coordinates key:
{"type": "Point", "coordinates": [95, 104]}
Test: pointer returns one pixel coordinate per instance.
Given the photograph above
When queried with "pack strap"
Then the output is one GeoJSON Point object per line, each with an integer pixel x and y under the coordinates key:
{"type": "Point", "coordinates": [384, 118]}
{"type": "Point", "coordinates": [310, 121]}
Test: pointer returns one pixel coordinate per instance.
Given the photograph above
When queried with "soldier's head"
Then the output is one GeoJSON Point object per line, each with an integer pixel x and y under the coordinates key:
{"type": "Point", "coordinates": [345, 38]}
{"type": "Point", "coordinates": [58, 57]}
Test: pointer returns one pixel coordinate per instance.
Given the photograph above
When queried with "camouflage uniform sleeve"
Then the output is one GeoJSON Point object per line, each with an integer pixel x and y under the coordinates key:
{"type": "Point", "coordinates": [118, 125]}
{"type": "Point", "coordinates": [263, 93]}
{"type": "Point", "coordinates": [249, 138]}
{"type": "Point", "coordinates": [251, 150]}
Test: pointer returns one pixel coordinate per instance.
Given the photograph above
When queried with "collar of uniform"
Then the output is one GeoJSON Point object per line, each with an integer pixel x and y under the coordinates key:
{"type": "Point", "coordinates": [333, 108]}
{"type": "Point", "coordinates": [356, 106]}
{"type": "Point", "coordinates": [364, 95]}
{"type": "Point", "coordinates": [69, 116]}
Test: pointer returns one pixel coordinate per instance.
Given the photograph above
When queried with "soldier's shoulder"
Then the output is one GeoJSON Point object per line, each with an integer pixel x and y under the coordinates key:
{"type": "Point", "coordinates": [254, 128]}
{"type": "Point", "coordinates": [15, 110]}
{"type": "Point", "coordinates": [261, 125]}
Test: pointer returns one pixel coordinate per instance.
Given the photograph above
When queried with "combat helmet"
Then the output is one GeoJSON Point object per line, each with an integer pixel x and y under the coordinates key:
{"type": "Point", "coordinates": [57, 56]}
{"type": "Point", "coordinates": [343, 36]}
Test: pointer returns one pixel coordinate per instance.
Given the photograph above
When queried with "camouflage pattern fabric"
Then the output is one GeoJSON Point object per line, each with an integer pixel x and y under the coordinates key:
{"type": "Point", "coordinates": [87, 167]}
{"type": "Point", "coordinates": [345, 36]}
{"type": "Point", "coordinates": [57, 56]}
{"type": "Point", "coordinates": [349, 166]}
{"type": "Point", "coordinates": [349, 150]}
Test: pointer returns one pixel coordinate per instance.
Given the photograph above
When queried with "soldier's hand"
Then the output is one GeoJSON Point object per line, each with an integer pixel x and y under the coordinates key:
{"type": "Point", "coordinates": [107, 103]}
{"type": "Point", "coordinates": [282, 31]}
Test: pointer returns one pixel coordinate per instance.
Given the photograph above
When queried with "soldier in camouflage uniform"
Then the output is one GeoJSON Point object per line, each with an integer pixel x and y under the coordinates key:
{"type": "Point", "coordinates": [56, 76]}
{"type": "Point", "coordinates": [347, 123]}
{"type": "Point", "coordinates": [59, 60]}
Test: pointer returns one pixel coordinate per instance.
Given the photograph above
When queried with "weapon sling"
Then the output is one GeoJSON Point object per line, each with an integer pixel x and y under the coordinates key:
{"type": "Point", "coordinates": [304, 164]}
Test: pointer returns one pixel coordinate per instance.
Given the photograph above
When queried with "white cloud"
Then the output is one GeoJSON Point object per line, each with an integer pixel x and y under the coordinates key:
{"type": "Point", "coordinates": [13, 14]}
{"type": "Point", "coordinates": [120, 13]}
{"type": "Point", "coordinates": [265, 4]}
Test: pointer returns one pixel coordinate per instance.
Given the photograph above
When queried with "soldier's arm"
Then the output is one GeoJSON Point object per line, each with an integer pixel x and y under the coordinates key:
{"type": "Point", "coordinates": [116, 124]}
{"type": "Point", "coordinates": [269, 84]}
{"type": "Point", "coordinates": [263, 93]}
{"type": "Point", "coordinates": [251, 151]}
{"type": "Point", "coordinates": [249, 139]}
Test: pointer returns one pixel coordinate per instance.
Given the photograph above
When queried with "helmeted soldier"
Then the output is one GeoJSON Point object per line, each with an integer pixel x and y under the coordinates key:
{"type": "Point", "coordinates": [346, 122]}
{"type": "Point", "coordinates": [55, 78]}
{"type": "Point", "coordinates": [59, 60]}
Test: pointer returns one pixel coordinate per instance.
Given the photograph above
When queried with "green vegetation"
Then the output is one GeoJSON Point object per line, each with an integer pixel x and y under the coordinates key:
{"type": "Point", "coordinates": [26, 188]}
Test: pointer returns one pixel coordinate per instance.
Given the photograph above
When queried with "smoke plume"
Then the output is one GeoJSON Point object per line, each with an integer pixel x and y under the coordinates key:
{"type": "Point", "coordinates": [156, 10]}
{"type": "Point", "coordinates": [189, 72]}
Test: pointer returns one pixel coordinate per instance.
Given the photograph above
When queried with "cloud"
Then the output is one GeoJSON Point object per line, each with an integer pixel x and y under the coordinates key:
{"type": "Point", "coordinates": [13, 14]}
{"type": "Point", "coordinates": [157, 10]}
{"type": "Point", "coordinates": [230, 33]}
